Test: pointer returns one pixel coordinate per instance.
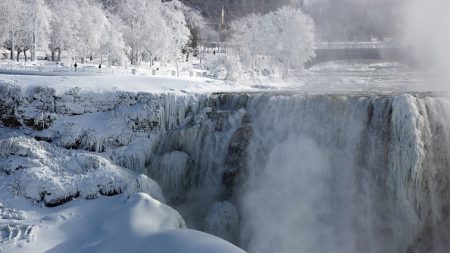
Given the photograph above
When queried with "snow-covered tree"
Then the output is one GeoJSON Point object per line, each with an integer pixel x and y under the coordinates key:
{"type": "Point", "coordinates": [105, 28]}
{"type": "Point", "coordinates": [290, 34]}
{"type": "Point", "coordinates": [143, 27]}
{"type": "Point", "coordinates": [91, 26]}
{"type": "Point", "coordinates": [11, 12]}
{"type": "Point", "coordinates": [37, 25]}
{"type": "Point", "coordinates": [286, 36]}
{"type": "Point", "coordinates": [196, 24]}
{"type": "Point", "coordinates": [64, 26]}
{"type": "Point", "coordinates": [247, 37]}
{"type": "Point", "coordinates": [112, 45]}
{"type": "Point", "coordinates": [178, 33]}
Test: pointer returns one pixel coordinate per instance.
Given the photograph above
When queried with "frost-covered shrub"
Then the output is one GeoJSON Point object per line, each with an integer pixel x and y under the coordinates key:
{"type": "Point", "coordinates": [226, 67]}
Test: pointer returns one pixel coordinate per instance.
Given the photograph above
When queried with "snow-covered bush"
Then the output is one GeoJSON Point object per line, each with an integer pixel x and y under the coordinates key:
{"type": "Point", "coordinates": [226, 67]}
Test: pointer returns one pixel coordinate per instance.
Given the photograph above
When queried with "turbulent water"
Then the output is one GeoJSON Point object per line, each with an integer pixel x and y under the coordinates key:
{"type": "Point", "coordinates": [314, 171]}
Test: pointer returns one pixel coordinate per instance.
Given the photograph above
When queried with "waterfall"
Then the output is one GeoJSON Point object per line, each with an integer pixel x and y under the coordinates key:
{"type": "Point", "coordinates": [313, 172]}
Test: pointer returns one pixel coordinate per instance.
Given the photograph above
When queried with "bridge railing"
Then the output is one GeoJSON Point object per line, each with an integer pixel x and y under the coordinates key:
{"type": "Point", "coordinates": [352, 45]}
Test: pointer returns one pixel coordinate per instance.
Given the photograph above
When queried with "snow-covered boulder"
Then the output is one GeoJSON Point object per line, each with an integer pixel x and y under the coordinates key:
{"type": "Point", "coordinates": [182, 241]}
{"type": "Point", "coordinates": [142, 216]}
{"type": "Point", "coordinates": [144, 184]}
{"type": "Point", "coordinates": [44, 173]}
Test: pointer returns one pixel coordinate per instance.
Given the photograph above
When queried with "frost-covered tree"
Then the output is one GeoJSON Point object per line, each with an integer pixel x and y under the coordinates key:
{"type": "Point", "coordinates": [64, 26]}
{"type": "Point", "coordinates": [143, 27]}
{"type": "Point", "coordinates": [247, 37]}
{"type": "Point", "coordinates": [112, 45]}
{"type": "Point", "coordinates": [105, 28]}
{"type": "Point", "coordinates": [286, 36]}
{"type": "Point", "coordinates": [91, 26]}
{"type": "Point", "coordinates": [290, 34]}
{"type": "Point", "coordinates": [178, 33]}
{"type": "Point", "coordinates": [196, 24]}
{"type": "Point", "coordinates": [37, 24]}
{"type": "Point", "coordinates": [11, 12]}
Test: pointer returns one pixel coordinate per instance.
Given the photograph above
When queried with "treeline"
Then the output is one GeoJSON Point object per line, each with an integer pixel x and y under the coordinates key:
{"type": "Point", "coordinates": [117, 30]}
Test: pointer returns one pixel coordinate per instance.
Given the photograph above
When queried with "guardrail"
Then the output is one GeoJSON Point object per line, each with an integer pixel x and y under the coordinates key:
{"type": "Point", "coordinates": [89, 70]}
{"type": "Point", "coordinates": [352, 45]}
{"type": "Point", "coordinates": [63, 69]}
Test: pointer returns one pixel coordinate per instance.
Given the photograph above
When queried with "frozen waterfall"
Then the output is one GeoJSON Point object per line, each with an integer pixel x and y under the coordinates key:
{"type": "Point", "coordinates": [313, 172]}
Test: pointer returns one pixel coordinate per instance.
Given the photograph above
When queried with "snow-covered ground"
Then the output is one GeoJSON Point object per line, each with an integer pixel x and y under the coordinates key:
{"type": "Point", "coordinates": [131, 83]}
{"type": "Point", "coordinates": [353, 76]}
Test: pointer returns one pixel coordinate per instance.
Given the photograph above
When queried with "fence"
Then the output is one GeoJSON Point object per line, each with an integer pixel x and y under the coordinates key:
{"type": "Point", "coordinates": [352, 45]}
{"type": "Point", "coordinates": [10, 68]}
{"type": "Point", "coordinates": [55, 70]}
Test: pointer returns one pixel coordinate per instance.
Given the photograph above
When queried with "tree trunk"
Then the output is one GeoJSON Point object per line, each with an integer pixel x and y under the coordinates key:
{"type": "Point", "coordinates": [33, 48]}
{"type": "Point", "coordinates": [178, 67]}
{"type": "Point", "coordinates": [285, 69]}
{"type": "Point", "coordinates": [18, 54]}
{"type": "Point", "coordinates": [25, 54]}
{"type": "Point", "coordinates": [59, 54]}
{"type": "Point", "coordinates": [12, 45]}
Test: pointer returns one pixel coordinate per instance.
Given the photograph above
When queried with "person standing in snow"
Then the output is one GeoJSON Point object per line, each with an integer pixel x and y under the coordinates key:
{"type": "Point", "coordinates": [75, 66]}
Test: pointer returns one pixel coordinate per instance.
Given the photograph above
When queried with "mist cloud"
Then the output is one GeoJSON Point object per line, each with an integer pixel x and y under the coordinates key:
{"type": "Point", "coordinates": [426, 30]}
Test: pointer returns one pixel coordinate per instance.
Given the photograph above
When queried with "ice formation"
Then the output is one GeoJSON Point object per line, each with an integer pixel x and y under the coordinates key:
{"type": "Point", "coordinates": [335, 172]}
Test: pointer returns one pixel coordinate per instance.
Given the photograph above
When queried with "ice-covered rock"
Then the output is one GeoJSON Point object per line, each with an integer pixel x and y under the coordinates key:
{"type": "Point", "coordinates": [144, 184]}
{"type": "Point", "coordinates": [42, 172]}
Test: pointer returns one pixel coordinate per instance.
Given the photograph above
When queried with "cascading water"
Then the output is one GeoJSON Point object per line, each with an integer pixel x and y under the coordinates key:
{"type": "Point", "coordinates": [313, 172]}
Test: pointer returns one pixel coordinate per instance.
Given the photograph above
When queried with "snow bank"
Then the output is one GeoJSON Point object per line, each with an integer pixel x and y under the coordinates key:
{"type": "Point", "coordinates": [115, 224]}
{"type": "Point", "coordinates": [141, 216]}
{"type": "Point", "coordinates": [183, 241]}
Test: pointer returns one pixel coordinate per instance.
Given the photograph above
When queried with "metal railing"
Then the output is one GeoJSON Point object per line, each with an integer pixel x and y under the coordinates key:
{"type": "Point", "coordinates": [352, 45]}
{"type": "Point", "coordinates": [17, 68]}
